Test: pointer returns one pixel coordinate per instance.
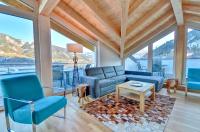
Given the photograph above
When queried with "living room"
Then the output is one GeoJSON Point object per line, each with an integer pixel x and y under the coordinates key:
{"type": "Point", "coordinates": [90, 65]}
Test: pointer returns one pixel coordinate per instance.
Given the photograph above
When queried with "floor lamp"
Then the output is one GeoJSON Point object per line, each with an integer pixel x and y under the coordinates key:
{"type": "Point", "coordinates": [75, 48]}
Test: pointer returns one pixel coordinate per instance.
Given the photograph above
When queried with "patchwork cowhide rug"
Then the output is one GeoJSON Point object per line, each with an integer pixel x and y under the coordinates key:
{"type": "Point", "coordinates": [125, 116]}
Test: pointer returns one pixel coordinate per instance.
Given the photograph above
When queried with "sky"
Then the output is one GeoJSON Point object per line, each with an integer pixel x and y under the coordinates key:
{"type": "Point", "coordinates": [22, 29]}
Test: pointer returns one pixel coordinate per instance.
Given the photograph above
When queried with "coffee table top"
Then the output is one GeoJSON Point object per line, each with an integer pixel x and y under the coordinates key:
{"type": "Point", "coordinates": [145, 86]}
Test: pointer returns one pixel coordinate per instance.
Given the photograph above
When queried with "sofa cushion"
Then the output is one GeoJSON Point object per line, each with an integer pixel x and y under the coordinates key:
{"type": "Point", "coordinates": [119, 70]}
{"type": "Point", "coordinates": [95, 72]}
{"type": "Point", "coordinates": [158, 81]}
{"type": "Point", "coordinates": [119, 79]}
{"type": "Point", "coordinates": [193, 85]}
{"type": "Point", "coordinates": [105, 83]}
{"type": "Point", "coordinates": [109, 71]}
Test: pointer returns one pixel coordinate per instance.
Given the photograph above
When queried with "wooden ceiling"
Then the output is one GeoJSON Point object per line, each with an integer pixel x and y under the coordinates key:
{"type": "Point", "coordinates": [120, 24]}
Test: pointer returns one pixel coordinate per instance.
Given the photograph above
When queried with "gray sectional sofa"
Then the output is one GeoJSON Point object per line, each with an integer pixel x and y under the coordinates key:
{"type": "Point", "coordinates": [103, 80]}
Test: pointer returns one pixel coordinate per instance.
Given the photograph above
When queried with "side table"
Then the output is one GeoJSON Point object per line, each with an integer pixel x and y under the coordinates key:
{"type": "Point", "coordinates": [83, 92]}
{"type": "Point", "coordinates": [172, 83]}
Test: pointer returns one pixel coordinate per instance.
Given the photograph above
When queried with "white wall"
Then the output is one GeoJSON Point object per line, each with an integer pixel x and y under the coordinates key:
{"type": "Point", "coordinates": [108, 57]}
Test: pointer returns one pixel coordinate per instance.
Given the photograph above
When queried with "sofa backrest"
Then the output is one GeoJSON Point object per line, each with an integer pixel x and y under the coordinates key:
{"type": "Point", "coordinates": [119, 70]}
{"type": "Point", "coordinates": [193, 74]}
{"type": "Point", "coordinates": [109, 71]}
{"type": "Point", "coordinates": [95, 72]}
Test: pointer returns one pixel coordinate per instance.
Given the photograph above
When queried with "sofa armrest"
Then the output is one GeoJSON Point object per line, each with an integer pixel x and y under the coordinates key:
{"type": "Point", "coordinates": [92, 82]}
{"type": "Point", "coordinates": [139, 73]}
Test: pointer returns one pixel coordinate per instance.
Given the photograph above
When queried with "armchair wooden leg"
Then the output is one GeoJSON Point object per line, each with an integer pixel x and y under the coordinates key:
{"type": "Point", "coordinates": [33, 128]}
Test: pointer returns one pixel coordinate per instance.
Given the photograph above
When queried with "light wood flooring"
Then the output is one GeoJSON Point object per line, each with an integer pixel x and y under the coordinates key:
{"type": "Point", "coordinates": [185, 117]}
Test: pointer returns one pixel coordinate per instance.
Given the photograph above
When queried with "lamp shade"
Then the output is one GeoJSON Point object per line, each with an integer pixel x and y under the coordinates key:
{"type": "Point", "coordinates": [75, 48]}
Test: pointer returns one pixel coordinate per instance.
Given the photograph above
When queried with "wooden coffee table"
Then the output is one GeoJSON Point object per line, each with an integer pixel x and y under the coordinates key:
{"type": "Point", "coordinates": [136, 93]}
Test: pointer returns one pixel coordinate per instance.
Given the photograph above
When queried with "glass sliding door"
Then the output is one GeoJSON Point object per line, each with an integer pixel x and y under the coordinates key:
{"type": "Point", "coordinates": [62, 61]}
{"type": "Point", "coordinates": [138, 61]}
{"type": "Point", "coordinates": [193, 49]}
{"type": "Point", "coordinates": [163, 56]}
{"type": "Point", "coordinates": [16, 47]}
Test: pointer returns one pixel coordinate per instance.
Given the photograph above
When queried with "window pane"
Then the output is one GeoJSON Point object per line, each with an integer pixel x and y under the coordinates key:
{"type": "Point", "coordinates": [163, 56]}
{"type": "Point", "coordinates": [16, 46]}
{"type": "Point", "coordinates": [193, 49]}
{"type": "Point", "coordinates": [63, 61]}
{"type": "Point", "coordinates": [138, 61]}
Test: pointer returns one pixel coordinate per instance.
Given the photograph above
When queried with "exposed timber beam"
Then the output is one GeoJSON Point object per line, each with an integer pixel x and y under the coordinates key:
{"type": "Point", "coordinates": [18, 4]}
{"type": "Point", "coordinates": [71, 27]}
{"type": "Point", "coordinates": [192, 18]}
{"type": "Point", "coordinates": [180, 39]}
{"type": "Point", "coordinates": [124, 23]}
{"type": "Point", "coordinates": [78, 18]}
{"type": "Point", "coordinates": [73, 36]}
{"type": "Point", "coordinates": [100, 15]}
{"type": "Point", "coordinates": [178, 11]}
{"type": "Point", "coordinates": [150, 35]}
{"type": "Point", "coordinates": [47, 6]}
{"type": "Point", "coordinates": [133, 6]}
{"type": "Point", "coordinates": [158, 22]}
{"type": "Point", "coordinates": [140, 23]}
{"type": "Point", "coordinates": [29, 3]}
{"type": "Point", "coordinates": [16, 12]}
{"type": "Point", "coordinates": [191, 9]}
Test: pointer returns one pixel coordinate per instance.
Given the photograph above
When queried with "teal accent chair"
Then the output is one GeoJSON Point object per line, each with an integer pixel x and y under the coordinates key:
{"type": "Point", "coordinates": [24, 101]}
{"type": "Point", "coordinates": [193, 80]}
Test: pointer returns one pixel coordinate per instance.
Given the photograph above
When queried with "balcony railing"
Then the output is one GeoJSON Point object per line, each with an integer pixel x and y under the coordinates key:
{"type": "Point", "coordinates": [12, 69]}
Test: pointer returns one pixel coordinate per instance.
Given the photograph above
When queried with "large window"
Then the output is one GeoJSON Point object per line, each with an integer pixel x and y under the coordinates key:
{"type": "Point", "coordinates": [16, 46]}
{"type": "Point", "coordinates": [138, 61]}
{"type": "Point", "coordinates": [63, 61]}
{"type": "Point", "coordinates": [163, 56]}
{"type": "Point", "coordinates": [193, 49]}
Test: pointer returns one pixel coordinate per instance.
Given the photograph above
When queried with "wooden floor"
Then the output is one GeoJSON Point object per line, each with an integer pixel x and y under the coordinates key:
{"type": "Point", "coordinates": [185, 117]}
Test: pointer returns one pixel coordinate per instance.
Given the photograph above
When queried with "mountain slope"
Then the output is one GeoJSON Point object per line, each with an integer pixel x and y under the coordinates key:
{"type": "Point", "coordinates": [13, 50]}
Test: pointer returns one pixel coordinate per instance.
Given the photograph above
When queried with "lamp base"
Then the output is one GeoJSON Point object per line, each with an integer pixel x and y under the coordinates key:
{"type": "Point", "coordinates": [75, 80]}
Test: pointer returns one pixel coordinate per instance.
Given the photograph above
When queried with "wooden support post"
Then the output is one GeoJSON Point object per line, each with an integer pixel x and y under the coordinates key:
{"type": "Point", "coordinates": [42, 43]}
{"type": "Point", "coordinates": [150, 57]}
{"type": "Point", "coordinates": [98, 54]}
{"type": "Point", "coordinates": [180, 52]}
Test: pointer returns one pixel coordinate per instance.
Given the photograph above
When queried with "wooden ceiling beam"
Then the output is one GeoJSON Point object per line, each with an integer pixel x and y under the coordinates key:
{"type": "Point", "coordinates": [191, 9]}
{"type": "Point", "coordinates": [151, 35]}
{"type": "Point", "coordinates": [47, 6]}
{"type": "Point", "coordinates": [71, 27]}
{"type": "Point", "coordinates": [18, 4]}
{"type": "Point", "coordinates": [158, 22]}
{"type": "Point", "coordinates": [133, 6]}
{"type": "Point", "coordinates": [100, 15]}
{"type": "Point", "coordinates": [29, 3]}
{"type": "Point", "coordinates": [124, 23]}
{"type": "Point", "coordinates": [192, 18]}
{"type": "Point", "coordinates": [77, 17]}
{"type": "Point", "coordinates": [178, 11]}
{"type": "Point", "coordinates": [133, 28]}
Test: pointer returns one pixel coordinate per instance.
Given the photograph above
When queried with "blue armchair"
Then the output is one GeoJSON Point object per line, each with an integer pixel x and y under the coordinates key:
{"type": "Point", "coordinates": [193, 80]}
{"type": "Point", "coordinates": [24, 101]}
